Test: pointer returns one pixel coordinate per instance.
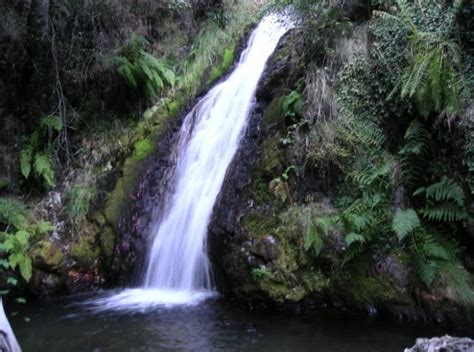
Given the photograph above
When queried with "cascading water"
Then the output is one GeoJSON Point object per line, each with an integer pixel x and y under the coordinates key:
{"type": "Point", "coordinates": [178, 270]}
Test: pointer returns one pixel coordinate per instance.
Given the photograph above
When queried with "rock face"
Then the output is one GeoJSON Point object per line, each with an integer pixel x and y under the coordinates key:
{"type": "Point", "coordinates": [443, 344]}
{"type": "Point", "coordinates": [240, 257]}
{"type": "Point", "coordinates": [257, 243]}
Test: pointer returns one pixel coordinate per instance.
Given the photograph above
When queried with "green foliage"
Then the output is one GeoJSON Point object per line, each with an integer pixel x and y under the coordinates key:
{"type": "Point", "coordinates": [17, 245]}
{"type": "Point", "coordinates": [142, 149]}
{"type": "Point", "coordinates": [405, 222]}
{"type": "Point", "coordinates": [317, 229]}
{"type": "Point", "coordinates": [279, 186]}
{"type": "Point", "coordinates": [37, 152]}
{"type": "Point", "coordinates": [16, 238]}
{"type": "Point", "coordinates": [445, 201]}
{"type": "Point", "coordinates": [413, 155]}
{"type": "Point", "coordinates": [140, 69]}
{"type": "Point", "coordinates": [261, 274]}
{"type": "Point", "coordinates": [12, 213]}
{"type": "Point", "coordinates": [78, 201]}
{"type": "Point", "coordinates": [432, 77]}
{"type": "Point", "coordinates": [430, 255]}
{"type": "Point", "coordinates": [220, 17]}
{"type": "Point", "coordinates": [292, 105]}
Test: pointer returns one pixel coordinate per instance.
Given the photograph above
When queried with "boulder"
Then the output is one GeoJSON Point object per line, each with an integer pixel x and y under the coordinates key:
{"type": "Point", "coordinates": [443, 344]}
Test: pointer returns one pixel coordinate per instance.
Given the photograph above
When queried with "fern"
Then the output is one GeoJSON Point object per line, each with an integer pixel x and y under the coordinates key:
{"type": "Point", "coordinates": [36, 154]}
{"type": "Point", "coordinates": [405, 222]}
{"type": "Point", "coordinates": [43, 168]}
{"type": "Point", "coordinates": [433, 77]}
{"type": "Point", "coordinates": [12, 213]}
{"type": "Point", "coordinates": [414, 153]}
{"type": "Point", "coordinates": [365, 132]}
{"type": "Point", "coordinates": [445, 201]}
{"type": "Point", "coordinates": [141, 70]}
{"type": "Point", "coordinates": [26, 156]}
{"type": "Point", "coordinates": [16, 240]}
{"type": "Point", "coordinates": [430, 255]}
{"type": "Point", "coordinates": [317, 230]}
{"type": "Point", "coordinates": [353, 237]}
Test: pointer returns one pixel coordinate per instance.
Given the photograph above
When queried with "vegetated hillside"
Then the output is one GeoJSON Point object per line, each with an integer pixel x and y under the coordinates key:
{"type": "Point", "coordinates": [88, 88]}
{"type": "Point", "coordinates": [354, 185]}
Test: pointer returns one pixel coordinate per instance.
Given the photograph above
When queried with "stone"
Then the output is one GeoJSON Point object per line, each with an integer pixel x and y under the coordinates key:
{"type": "Point", "coordinates": [267, 248]}
{"type": "Point", "coordinates": [443, 344]}
{"type": "Point", "coordinates": [392, 268]}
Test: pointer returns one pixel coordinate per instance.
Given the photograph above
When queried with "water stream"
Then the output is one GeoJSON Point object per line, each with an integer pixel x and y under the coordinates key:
{"type": "Point", "coordinates": [178, 269]}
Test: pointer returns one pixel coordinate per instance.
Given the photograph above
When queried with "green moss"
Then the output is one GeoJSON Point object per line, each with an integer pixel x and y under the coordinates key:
{"type": "Point", "coordinates": [85, 252]}
{"type": "Point", "coordinates": [294, 288]}
{"type": "Point", "coordinates": [271, 156]}
{"type": "Point", "coordinates": [107, 241]}
{"type": "Point", "coordinates": [227, 61]}
{"type": "Point", "coordinates": [115, 200]}
{"type": "Point", "coordinates": [365, 289]}
{"type": "Point", "coordinates": [142, 149]}
{"type": "Point", "coordinates": [48, 255]}
{"type": "Point", "coordinates": [259, 224]}
{"type": "Point", "coordinates": [274, 115]}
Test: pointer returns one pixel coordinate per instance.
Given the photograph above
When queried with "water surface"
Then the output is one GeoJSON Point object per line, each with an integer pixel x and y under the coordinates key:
{"type": "Point", "coordinates": [210, 326]}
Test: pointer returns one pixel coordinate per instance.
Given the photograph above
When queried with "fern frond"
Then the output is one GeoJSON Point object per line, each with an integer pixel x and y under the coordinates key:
{"type": "Point", "coordinates": [12, 213]}
{"type": "Point", "coordinates": [444, 213]}
{"type": "Point", "coordinates": [26, 156]}
{"type": "Point", "coordinates": [405, 222]}
{"type": "Point", "coordinates": [353, 237]}
{"type": "Point", "coordinates": [445, 190]}
{"type": "Point", "coordinates": [43, 167]}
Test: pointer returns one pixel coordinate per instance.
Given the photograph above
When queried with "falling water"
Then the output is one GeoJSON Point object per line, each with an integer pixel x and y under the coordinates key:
{"type": "Point", "coordinates": [178, 270]}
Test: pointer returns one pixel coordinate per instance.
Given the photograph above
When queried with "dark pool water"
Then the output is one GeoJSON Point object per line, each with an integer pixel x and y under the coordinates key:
{"type": "Point", "coordinates": [211, 326]}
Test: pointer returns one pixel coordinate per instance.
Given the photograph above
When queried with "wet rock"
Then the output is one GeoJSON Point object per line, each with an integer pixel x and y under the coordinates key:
{"type": "Point", "coordinates": [392, 268]}
{"type": "Point", "coordinates": [46, 284]}
{"type": "Point", "coordinates": [443, 344]}
{"type": "Point", "coordinates": [282, 68]}
{"type": "Point", "coordinates": [266, 248]}
{"type": "Point", "coordinates": [84, 281]}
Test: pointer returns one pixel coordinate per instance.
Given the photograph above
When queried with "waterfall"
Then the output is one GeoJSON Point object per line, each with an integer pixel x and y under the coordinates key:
{"type": "Point", "coordinates": [178, 270]}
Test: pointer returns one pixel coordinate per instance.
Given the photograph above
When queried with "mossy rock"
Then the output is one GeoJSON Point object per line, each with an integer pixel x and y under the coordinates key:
{"type": "Point", "coordinates": [107, 241]}
{"type": "Point", "coordinates": [365, 289]}
{"type": "Point", "coordinates": [48, 256]}
{"type": "Point", "coordinates": [274, 115]}
{"type": "Point", "coordinates": [293, 289]}
{"type": "Point", "coordinates": [271, 157]}
{"type": "Point", "coordinates": [115, 200]}
{"type": "Point", "coordinates": [85, 252]}
{"type": "Point", "coordinates": [258, 224]}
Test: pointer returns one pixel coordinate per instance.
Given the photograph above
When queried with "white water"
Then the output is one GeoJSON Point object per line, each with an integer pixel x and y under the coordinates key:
{"type": "Point", "coordinates": [178, 270]}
